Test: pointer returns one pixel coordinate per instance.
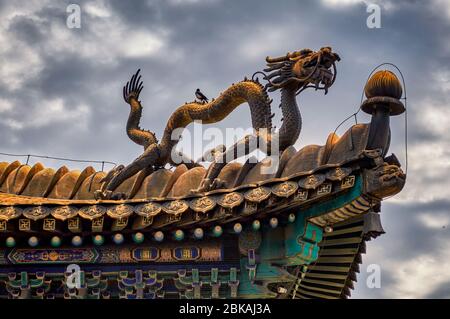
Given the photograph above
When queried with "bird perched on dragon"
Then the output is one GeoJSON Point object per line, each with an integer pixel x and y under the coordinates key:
{"type": "Point", "coordinates": [291, 74]}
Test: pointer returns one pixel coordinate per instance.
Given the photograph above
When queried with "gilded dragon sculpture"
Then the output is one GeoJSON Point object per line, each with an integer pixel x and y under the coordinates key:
{"type": "Point", "coordinates": [291, 74]}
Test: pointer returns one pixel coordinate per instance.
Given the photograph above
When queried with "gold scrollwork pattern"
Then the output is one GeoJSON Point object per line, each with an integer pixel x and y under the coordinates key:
{"type": "Point", "coordinates": [202, 204]}
{"type": "Point", "coordinates": [175, 207]}
{"type": "Point", "coordinates": [92, 212]}
{"type": "Point", "coordinates": [338, 174]}
{"type": "Point", "coordinates": [231, 200]}
{"type": "Point", "coordinates": [285, 189]}
{"type": "Point", "coordinates": [311, 181]}
{"type": "Point", "coordinates": [64, 212]}
{"type": "Point", "coordinates": [36, 212]}
{"type": "Point", "coordinates": [10, 212]}
{"type": "Point", "coordinates": [119, 211]}
{"type": "Point", "coordinates": [257, 195]}
{"type": "Point", "coordinates": [148, 209]}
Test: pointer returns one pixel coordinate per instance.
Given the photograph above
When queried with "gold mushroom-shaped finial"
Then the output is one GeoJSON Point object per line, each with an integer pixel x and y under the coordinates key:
{"type": "Point", "coordinates": [383, 88]}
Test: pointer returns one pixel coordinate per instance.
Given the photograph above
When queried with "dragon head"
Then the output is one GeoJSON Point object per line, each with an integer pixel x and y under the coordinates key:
{"type": "Point", "coordinates": [302, 69]}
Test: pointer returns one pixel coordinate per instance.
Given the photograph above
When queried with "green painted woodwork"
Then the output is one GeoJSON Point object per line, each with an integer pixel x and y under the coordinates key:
{"type": "Point", "coordinates": [296, 243]}
{"type": "Point", "coordinates": [272, 246]}
{"type": "Point", "coordinates": [25, 282]}
{"type": "Point", "coordinates": [214, 274]}
{"type": "Point", "coordinates": [195, 275]}
{"type": "Point", "coordinates": [301, 238]}
{"type": "Point", "coordinates": [233, 274]}
{"type": "Point", "coordinates": [247, 289]}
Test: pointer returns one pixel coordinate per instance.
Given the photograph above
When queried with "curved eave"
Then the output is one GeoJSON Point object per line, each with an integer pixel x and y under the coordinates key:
{"type": "Point", "coordinates": [322, 191]}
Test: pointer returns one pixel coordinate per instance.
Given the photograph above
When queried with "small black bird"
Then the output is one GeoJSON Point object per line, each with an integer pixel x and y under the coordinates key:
{"type": "Point", "coordinates": [199, 95]}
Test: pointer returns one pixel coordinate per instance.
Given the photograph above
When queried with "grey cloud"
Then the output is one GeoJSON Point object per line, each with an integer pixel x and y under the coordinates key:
{"type": "Point", "coordinates": [412, 237]}
{"type": "Point", "coordinates": [406, 237]}
{"type": "Point", "coordinates": [441, 292]}
{"type": "Point", "coordinates": [26, 29]}
{"type": "Point", "coordinates": [418, 207]}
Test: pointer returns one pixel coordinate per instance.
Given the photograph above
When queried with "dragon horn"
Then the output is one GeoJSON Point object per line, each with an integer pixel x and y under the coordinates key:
{"type": "Point", "coordinates": [277, 59]}
{"type": "Point", "coordinates": [288, 56]}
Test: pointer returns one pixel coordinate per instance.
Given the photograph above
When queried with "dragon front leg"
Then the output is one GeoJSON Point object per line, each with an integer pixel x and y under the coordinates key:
{"type": "Point", "coordinates": [182, 158]}
{"type": "Point", "coordinates": [150, 157]}
{"type": "Point", "coordinates": [99, 194]}
{"type": "Point", "coordinates": [242, 148]}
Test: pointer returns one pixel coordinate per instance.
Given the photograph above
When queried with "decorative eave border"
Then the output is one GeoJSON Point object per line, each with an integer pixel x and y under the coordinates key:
{"type": "Point", "coordinates": [167, 214]}
{"type": "Point", "coordinates": [240, 204]}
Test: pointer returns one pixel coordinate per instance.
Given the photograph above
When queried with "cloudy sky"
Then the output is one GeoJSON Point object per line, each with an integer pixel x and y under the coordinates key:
{"type": "Point", "coordinates": [60, 93]}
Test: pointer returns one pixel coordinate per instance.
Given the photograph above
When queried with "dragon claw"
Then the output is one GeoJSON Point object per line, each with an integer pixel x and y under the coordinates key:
{"type": "Point", "coordinates": [119, 196]}
{"type": "Point", "coordinates": [217, 184]}
{"type": "Point", "coordinates": [99, 194]}
{"type": "Point", "coordinates": [133, 87]}
{"type": "Point", "coordinates": [109, 195]}
{"type": "Point", "coordinates": [205, 186]}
